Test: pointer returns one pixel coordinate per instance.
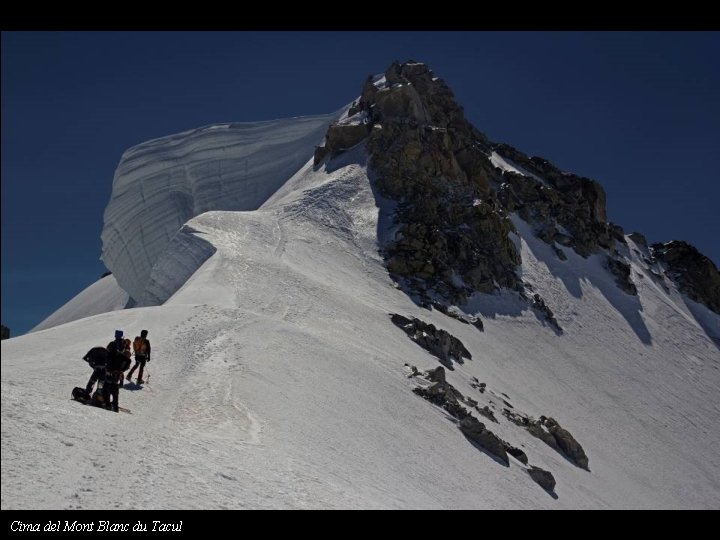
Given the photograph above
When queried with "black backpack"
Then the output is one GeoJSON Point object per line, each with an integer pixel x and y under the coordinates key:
{"type": "Point", "coordinates": [125, 363]}
{"type": "Point", "coordinates": [80, 394]}
{"type": "Point", "coordinates": [118, 362]}
{"type": "Point", "coordinates": [96, 357]}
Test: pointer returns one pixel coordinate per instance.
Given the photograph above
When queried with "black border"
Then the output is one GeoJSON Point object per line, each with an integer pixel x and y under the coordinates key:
{"type": "Point", "coordinates": [399, 16]}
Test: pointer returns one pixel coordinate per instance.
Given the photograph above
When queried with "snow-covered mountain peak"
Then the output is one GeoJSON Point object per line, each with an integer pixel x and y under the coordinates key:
{"type": "Point", "coordinates": [410, 319]}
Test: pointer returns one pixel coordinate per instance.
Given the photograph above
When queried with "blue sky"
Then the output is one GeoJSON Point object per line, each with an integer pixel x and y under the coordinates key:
{"type": "Point", "coordinates": [637, 111]}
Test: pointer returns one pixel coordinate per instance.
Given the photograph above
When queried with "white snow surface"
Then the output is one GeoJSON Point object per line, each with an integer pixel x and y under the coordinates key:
{"type": "Point", "coordinates": [102, 296]}
{"type": "Point", "coordinates": [161, 184]}
{"type": "Point", "coordinates": [278, 381]}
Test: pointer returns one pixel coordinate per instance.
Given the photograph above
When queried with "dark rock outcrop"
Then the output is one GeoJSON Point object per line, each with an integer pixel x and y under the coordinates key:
{"type": "Point", "coordinates": [442, 393]}
{"type": "Point", "coordinates": [438, 342]}
{"type": "Point", "coordinates": [621, 271]}
{"type": "Point", "coordinates": [475, 321]}
{"type": "Point", "coordinates": [341, 137]}
{"type": "Point", "coordinates": [453, 236]}
{"type": "Point", "coordinates": [575, 203]}
{"type": "Point", "coordinates": [414, 371]}
{"type": "Point", "coordinates": [437, 375]}
{"type": "Point", "coordinates": [446, 396]}
{"type": "Point", "coordinates": [551, 433]}
{"type": "Point", "coordinates": [695, 274]}
{"type": "Point", "coordinates": [542, 477]}
{"type": "Point", "coordinates": [638, 238]}
{"type": "Point", "coordinates": [567, 443]}
{"type": "Point", "coordinates": [559, 252]}
{"type": "Point", "coordinates": [368, 93]}
{"type": "Point", "coordinates": [540, 306]}
{"type": "Point", "coordinates": [4, 332]}
{"type": "Point", "coordinates": [487, 413]}
{"type": "Point", "coordinates": [354, 108]}
{"type": "Point", "coordinates": [320, 153]}
{"type": "Point", "coordinates": [346, 133]}
{"type": "Point", "coordinates": [517, 454]}
{"type": "Point", "coordinates": [536, 430]}
{"type": "Point", "coordinates": [476, 431]}
{"type": "Point", "coordinates": [516, 418]}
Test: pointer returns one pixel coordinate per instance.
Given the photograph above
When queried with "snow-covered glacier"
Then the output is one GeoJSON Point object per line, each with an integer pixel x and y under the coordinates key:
{"type": "Point", "coordinates": [161, 184]}
{"type": "Point", "coordinates": [279, 381]}
{"type": "Point", "coordinates": [101, 297]}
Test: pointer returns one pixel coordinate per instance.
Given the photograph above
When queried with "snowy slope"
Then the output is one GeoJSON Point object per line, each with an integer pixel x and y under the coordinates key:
{"type": "Point", "coordinates": [102, 296]}
{"type": "Point", "coordinates": [162, 183]}
{"type": "Point", "coordinates": [278, 381]}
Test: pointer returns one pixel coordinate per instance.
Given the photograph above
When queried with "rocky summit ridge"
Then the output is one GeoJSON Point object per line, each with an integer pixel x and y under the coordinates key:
{"type": "Point", "coordinates": [453, 218]}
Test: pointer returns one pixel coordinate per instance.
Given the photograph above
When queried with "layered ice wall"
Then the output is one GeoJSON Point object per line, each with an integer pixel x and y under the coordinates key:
{"type": "Point", "coordinates": [161, 184]}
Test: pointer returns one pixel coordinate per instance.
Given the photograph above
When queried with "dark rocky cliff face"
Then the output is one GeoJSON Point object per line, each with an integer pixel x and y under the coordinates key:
{"type": "Point", "coordinates": [562, 199]}
{"type": "Point", "coordinates": [454, 203]}
{"type": "Point", "coordinates": [453, 234]}
{"type": "Point", "coordinates": [696, 275]}
{"type": "Point", "coordinates": [453, 237]}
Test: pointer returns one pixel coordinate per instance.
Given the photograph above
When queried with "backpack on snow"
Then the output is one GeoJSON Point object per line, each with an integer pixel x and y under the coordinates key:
{"type": "Point", "coordinates": [139, 345]}
{"type": "Point", "coordinates": [80, 394]}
